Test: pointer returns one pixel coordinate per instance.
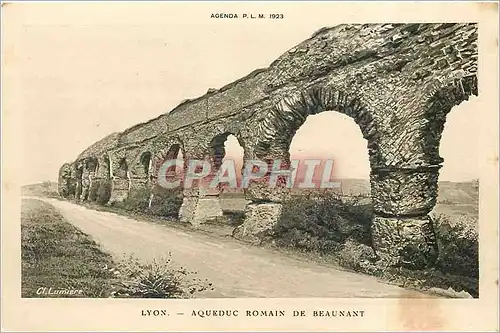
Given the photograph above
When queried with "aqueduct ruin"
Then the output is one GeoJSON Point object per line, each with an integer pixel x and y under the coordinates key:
{"type": "Point", "coordinates": [397, 81]}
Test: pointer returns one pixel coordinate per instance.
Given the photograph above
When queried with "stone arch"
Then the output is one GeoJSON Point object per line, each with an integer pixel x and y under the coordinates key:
{"type": "Point", "coordinates": [119, 174]}
{"type": "Point", "coordinates": [90, 183]}
{"type": "Point", "coordinates": [332, 137]}
{"type": "Point", "coordinates": [405, 181]}
{"type": "Point", "coordinates": [440, 104]}
{"type": "Point", "coordinates": [104, 170]}
{"type": "Point", "coordinates": [122, 171]}
{"type": "Point", "coordinates": [91, 164]}
{"type": "Point", "coordinates": [273, 133]}
{"type": "Point", "coordinates": [139, 165]}
{"type": "Point", "coordinates": [277, 128]}
{"type": "Point", "coordinates": [164, 149]}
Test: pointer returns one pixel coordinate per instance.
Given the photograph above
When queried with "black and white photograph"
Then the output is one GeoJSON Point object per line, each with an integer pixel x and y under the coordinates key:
{"type": "Point", "coordinates": [223, 152]}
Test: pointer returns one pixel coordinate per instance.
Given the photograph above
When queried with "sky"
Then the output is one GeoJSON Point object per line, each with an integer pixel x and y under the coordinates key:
{"type": "Point", "coordinates": [76, 72]}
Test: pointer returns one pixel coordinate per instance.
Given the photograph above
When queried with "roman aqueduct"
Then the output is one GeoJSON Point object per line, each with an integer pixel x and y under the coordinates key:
{"type": "Point", "coordinates": [396, 81]}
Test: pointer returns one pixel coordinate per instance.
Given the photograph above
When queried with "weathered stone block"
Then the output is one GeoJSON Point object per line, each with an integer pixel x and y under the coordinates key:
{"type": "Point", "coordinates": [408, 242]}
{"type": "Point", "coordinates": [119, 190]}
{"type": "Point", "coordinates": [259, 218]}
{"type": "Point", "coordinates": [405, 192]}
{"type": "Point", "coordinates": [196, 210]}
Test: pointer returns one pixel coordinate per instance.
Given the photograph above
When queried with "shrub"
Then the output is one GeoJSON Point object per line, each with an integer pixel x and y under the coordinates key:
{"type": "Point", "coordinates": [458, 245]}
{"type": "Point", "coordinates": [156, 279]}
{"type": "Point", "coordinates": [166, 202]}
{"type": "Point", "coordinates": [322, 222]}
{"type": "Point", "coordinates": [158, 201]}
{"type": "Point", "coordinates": [137, 200]}
{"type": "Point", "coordinates": [359, 257]}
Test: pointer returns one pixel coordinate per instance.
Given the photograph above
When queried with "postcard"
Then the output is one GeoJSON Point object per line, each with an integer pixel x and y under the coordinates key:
{"type": "Point", "coordinates": [249, 166]}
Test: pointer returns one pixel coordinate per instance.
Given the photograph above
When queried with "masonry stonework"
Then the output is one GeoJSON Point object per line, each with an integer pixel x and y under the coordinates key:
{"type": "Point", "coordinates": [397, 82]}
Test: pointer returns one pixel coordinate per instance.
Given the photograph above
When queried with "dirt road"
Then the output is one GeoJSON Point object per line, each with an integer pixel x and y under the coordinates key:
{"type": "Point", "coordinates": [235, 269]}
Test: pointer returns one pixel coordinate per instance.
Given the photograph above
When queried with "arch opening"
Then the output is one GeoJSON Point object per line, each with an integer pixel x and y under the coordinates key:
{"type": "Point", "coordinates": [122, 171]}
{"type": "Point", "coordinates": [458, 182]}
{"type": "Point", "coordinates": [92, 164]}
{"type": "Point", "coordinates": [456, 213]}
{"type": "Point", "coordinates": [331, 187]}
{"type": "Point", "coordinates": [332, 138]}
{"type": "Point", "coordinates": [145, 161]}
{"type": "Point", "coordinates": [228, 151]}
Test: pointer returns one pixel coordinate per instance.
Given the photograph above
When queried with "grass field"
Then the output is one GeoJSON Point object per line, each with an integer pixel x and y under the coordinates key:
{"type": "Point", "coordinates": [58, 260]}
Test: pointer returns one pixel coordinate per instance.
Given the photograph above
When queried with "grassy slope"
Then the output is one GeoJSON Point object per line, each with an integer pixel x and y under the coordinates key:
{"type": "Point", "coordinates": [45, 189]}
{"type": "Point", "coordinates": [56, 254]}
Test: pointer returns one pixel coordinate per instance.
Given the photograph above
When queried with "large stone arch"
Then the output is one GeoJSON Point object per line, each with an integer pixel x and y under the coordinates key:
{"type": "Point", "coordinates": [405, 180]}
{"type": "Point", "coordinates": [138, 161]}
{"type": "Point", "coordinates": [271, 134]}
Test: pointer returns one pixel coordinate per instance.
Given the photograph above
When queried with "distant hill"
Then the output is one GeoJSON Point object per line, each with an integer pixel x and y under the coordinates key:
{"type": "Point", "coordinates": [355, 186]}
{"type": "Point", "coordinates": [458, 193]}
{"type": "Point", "coordinates": [448, 192]}
{"type": "Point", "coordinates": [45, 189]}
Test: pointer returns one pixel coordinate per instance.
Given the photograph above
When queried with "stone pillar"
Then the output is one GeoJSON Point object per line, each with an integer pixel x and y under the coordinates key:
{"type": "Point", "coordinates": [100, 183]}
{"type": "Point", "coordinates": [78, 181]}
{"type": "Point", "coordinates": [199, 208]}
{"type": "Point", "coordinates": [119, 189]}
{"type": "Point", "coordinates": [119, 176]}
{"type": "Point", "coordinates": [264, 210]}
{"type": "Point", "coordinates": [405, 161]}
{"type": "Point", "coordinates": [201, 203]}
{"type": "Point", "coordinates": [139, 183]}
{"type": "Point", "coordinates": [64, 180]}
{"type": "Point", "coordinates": [86, 176]}
{"type": "Point", "coordinates": [95, 182]}
{"type": "Point", "coordinates": [402, 231]}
